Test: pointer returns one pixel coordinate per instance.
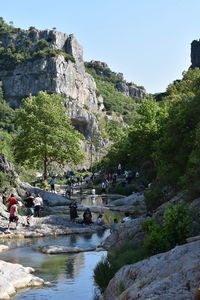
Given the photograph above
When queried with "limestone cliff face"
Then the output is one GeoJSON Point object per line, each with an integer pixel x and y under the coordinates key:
{"type": "Point", "coordinates": [53, 75]}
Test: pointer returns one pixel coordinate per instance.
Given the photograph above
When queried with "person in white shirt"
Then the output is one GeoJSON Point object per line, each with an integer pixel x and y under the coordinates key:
{"type": "Point", "coordinates": [38, 203]}
{"type": "Point", "coordinates": [127, 218]}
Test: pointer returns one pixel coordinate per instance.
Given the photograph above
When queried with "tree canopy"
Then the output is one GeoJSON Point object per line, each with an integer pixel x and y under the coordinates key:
{"type": "Point", "coordinates": [45, 133]}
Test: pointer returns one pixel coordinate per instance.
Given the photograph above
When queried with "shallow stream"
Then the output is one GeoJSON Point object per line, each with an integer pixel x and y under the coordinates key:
{"type": "Point", "coordinates": [71, 275]}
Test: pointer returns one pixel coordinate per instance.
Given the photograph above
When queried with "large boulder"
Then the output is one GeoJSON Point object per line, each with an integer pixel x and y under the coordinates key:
{"type": "Point", "coordinates": [133, 203]}
{"type": "Point", "coordinates": [14, 277]}
{"type": "Point", "coordinates": [131, 231]}
{"type": "Point", "coordinates": [173, 275]}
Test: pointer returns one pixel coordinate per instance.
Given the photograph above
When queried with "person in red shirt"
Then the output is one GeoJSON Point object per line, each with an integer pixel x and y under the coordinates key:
{"type": "Point", "coordinates": [13, 214]}
{"type": "Point", "coordinates": [12, 200]}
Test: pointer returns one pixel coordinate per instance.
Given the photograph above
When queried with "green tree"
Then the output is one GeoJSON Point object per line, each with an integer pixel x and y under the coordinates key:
{"type": "Point", "coordinates": [177, 142]}
{"type": "Point", "coordinates": [6, 114]}
{"type": "Point", "coordinates": [45, 133]}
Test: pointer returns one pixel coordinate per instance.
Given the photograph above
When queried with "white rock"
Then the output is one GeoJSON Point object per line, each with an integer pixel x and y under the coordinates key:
{"type": "Point", "coordinates": [15, 276]}
{"type": "Point", "coordinates": [173, 275]}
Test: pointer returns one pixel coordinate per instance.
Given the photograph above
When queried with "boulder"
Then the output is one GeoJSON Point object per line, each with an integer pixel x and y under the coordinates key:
{"type": "Point", "coordinates": [125, 231]}
{"type": "Point", "coordinates": [173, 275]}
{"type": "Point", "coordinates": [54, 249]}
{"type": "Point", "coordinates": [14, 277]}
{"type": "Point", "coordinates": [3, 248]}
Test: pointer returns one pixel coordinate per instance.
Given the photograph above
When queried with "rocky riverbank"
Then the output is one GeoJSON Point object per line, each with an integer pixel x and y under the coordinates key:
{"type": "Point", "coordinates": [167, 276]}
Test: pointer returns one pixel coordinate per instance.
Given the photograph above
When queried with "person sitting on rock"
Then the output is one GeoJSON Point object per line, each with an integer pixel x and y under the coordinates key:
{"type": "Point", "coordinates": [127, 218]}
{"type": "Point", "coordinates": [87, 217]}
{"type": "Point", "coordinates": [99, 220]}
{"type": "Point", "coordinates": [13, 214]}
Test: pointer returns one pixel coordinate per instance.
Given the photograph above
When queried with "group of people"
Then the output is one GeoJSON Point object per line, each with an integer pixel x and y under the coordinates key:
{"type": "Point", "coordinates": [87, 215]}
{"type": "Point", "coordinates": [33, 204]}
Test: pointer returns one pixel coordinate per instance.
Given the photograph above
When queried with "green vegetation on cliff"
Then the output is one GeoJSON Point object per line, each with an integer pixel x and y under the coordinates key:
{"type": "Point", "coordinates": [114, 101]}
{"type": "Point", "coordinates": [14, 54]}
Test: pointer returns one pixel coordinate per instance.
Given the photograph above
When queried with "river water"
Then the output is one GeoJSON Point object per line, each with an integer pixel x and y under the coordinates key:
{"type": "Point", "coordinates": [71, 275]}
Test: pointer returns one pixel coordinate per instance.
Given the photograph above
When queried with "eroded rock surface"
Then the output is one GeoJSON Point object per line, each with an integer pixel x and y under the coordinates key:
{"type": "Point", "coordinates": [173, 275]}
{"type": "Point", "coordinates": [14, 277]}
{"type": "Point", "coordinates": [126, 231]}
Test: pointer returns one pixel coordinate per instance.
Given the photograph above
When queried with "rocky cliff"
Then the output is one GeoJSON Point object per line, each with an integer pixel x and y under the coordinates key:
{"type": "Point", "coordinates": [128, 89]}
{"type": "Point", "coordinates": [168, 276]}
{"type": "Point", "coordinates": [54, 72]}
{"type": "Point", "coordinates": [195, 54]}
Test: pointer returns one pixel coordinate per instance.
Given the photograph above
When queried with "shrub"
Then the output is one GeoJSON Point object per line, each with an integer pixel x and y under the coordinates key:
{"type": "Point", "coordinates": [103, 273]}
{"type": "Point", "coordinates": [85, 106]}
{"type": "Point", "coordinates": [154, 197]}
{"type": "Point", "coordinates": [177, 223]}
{"type": "Point", "coordinates": [177, 226]}
{"type": "Point", "coordinates": [156, 242]}
{"type": "Point", "coordinates": [109, 217]}
{"type": "Point", "coordinates": [128, 253]}
{"type": "Point", "coordinates": [4, 179]}
{"type": "Point", "coordinates": [122, 190]}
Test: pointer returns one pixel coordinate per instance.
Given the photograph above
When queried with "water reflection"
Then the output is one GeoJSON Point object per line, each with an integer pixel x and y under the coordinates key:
{"type": "Point", "coordinates": [70, 275]}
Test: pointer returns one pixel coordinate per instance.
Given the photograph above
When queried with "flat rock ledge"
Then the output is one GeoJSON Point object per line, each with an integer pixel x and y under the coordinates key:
{"type": "Point", "coordinates": [3, 248]}
{"type": "Point", "coordinates": [14, 277]}
{"type": "Point", "coordinates": [54, 249]}
{"type": "Point", "coordinates": [46, 226]}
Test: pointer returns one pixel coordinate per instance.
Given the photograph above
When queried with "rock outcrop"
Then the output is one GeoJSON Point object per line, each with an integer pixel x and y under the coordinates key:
{"type": "Point", "coordinates": [52, 73]}
{"type": "Point", "coordinates": [126, 88]}
{"type": "Point", "coordinates": [173, 275]}
{"type": "Point", "coordinates": [195, 54]}
{"type": "Point", "coordinates": [55, 249]}
{"type": "Point", "coordinates": [131, 231]}
{"type": "Point", "coordinates": [14, 277]}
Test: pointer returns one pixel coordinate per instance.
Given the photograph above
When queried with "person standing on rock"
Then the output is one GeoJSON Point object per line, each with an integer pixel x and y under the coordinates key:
{"type": "Point", "coordinates": [38, 203]}
{"type": "Point", "coordinates": [13, 214]}
{"type": "Point", "coordinates": [73, 210]}
{"type": "Point", "coordinates": [52, 184]}
{"type": "Point", "coordinates": [29, 204]}
{"type": "Point", "coordinates": [12, 200]}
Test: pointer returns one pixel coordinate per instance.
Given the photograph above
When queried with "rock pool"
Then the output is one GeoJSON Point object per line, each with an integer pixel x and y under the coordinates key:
{"type": "Point", "coordinates": [70, 274]}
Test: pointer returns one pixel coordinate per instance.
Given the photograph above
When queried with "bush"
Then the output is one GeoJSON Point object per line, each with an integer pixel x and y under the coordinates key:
{"type": "Point", "coordinates": [109, 217]}
{"type": "Point", "coordinates": [177, 226]}
{"type": "Point", "coordinates": [177, 223]}
{"type": "Point", "coordinates": [156, 242]}
{"type": "Point", "coordinates": [5, 179]}
{"type": "Point", "coordinates": [154, 197]}
{"type": "Point", "coordinates": [128, 253]}
{"type": "Point", "coordinates": [103, 273]}
{"type": "Point", "coordinates": [122, 190]}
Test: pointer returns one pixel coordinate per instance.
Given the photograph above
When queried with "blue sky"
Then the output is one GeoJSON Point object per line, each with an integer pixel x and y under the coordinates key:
{"type": "Point", "coordinates": [147, 40]}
